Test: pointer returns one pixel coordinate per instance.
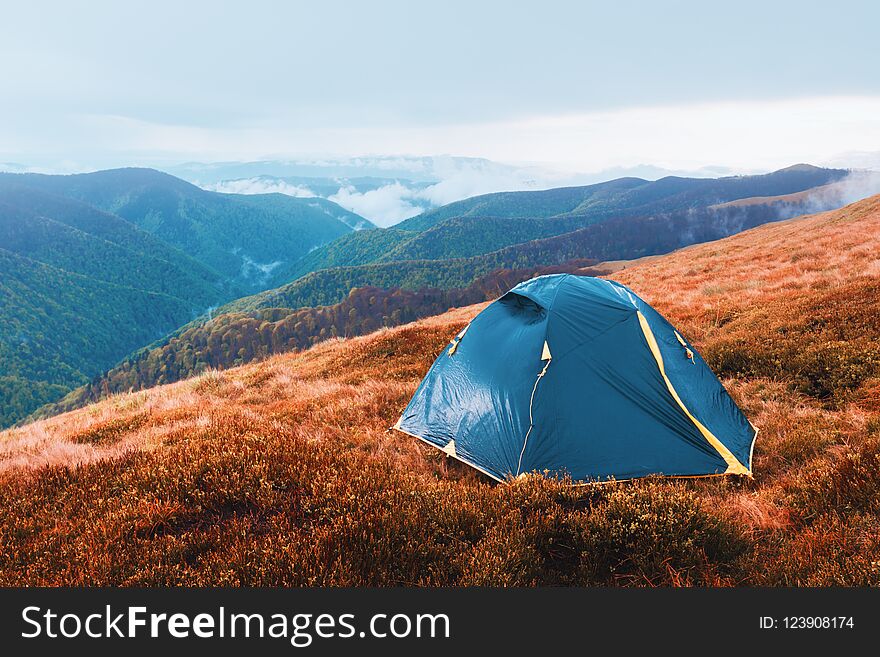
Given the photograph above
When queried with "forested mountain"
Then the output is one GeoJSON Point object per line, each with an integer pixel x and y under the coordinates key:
{"type": "Point", "coordinates": [79, 289]}
{"type": "Point", "coordinates": [234, 338]}
{"type": "Point", "coordinates": [416, 264]}
{"type": "Point", "coordinates": [95, 266]}
{"type": "Point", "coordinates": [343, 301]}
{"type": "Point", "coordinates": [615, 239]}
{"type": "Point", "coordinates": [484, 224]}
{"type": "Point", "coordinates": [358, 248]}
{"type": "Point", "coordinates": [544, 203]}
{"type": "Point", "coordinates": [628, 196]}
{"type": "Point", "coordinates": [248, 239]}
{"type": "Point", "coordinates": [58, 329]}
{"type": "Point", "coordinates": [78, 238]}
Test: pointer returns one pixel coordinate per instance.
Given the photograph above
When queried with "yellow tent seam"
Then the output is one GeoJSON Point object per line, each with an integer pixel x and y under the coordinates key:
{"type": "Point", "coordinates": [457, 339]}
{"type": "Point", "coordinates": [733, 465]}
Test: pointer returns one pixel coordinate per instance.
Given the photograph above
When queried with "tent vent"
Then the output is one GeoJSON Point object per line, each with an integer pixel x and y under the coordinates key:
{"type": "Point", "coordinates": [458, 339]}
{"type": "Point", "coordinates": [687, 350]}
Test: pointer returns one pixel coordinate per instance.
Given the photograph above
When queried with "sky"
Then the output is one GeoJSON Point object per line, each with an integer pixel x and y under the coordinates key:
{"type": "Point", "coordinates": [577, 86]}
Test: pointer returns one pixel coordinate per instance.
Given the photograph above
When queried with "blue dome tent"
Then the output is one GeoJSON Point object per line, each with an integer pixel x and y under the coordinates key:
{"type": "Point", "coordinates": [578, 376]}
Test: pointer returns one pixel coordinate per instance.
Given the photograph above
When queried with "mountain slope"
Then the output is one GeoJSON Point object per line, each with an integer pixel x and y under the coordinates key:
{"type": "Point", "coordinates": [58, 329]}
{"type": "Point", "coordinates": [484, 224]}
{"type": "Point", "coordinates": [79, 289]}
{"type": "Point", "coordinates": [544, 203]}
{"type": "Point", "coordinates": [245, 238]}
{"type": "Point", "coordinates": [358, 248]}
{"type": "Point", "coordinates": [619, 238]}
{"type": "Point", "coordinates": [135, 244]}
{"type": "Point", "coordinates": [79, 239]}
{"type": "Point", "coordinates": [283, 472]}
{"type": "Point", "coordinates": [233, 338]}
{"type": "Point", "coordinates": [188, 349]}
{"type": "Point", "coordinates": [392, 259]}
{"type": "Point", "coordinates": [628, 197]}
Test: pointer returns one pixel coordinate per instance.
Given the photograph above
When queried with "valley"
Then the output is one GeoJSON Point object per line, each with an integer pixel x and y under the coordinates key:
{"type": "Point", "coordinates": [283, 471]}
{"type": "Point", "coordinates": [421, 261]}
{"type": "Point", "coordinates": [95, 266]}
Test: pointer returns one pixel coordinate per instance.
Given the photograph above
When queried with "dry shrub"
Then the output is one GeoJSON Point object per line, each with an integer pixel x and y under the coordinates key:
{"type": "Point", "coordinates": [660, 534]}
{"type": "Point", "coordinates": [849, 484]}
{"type": "Point", "coordinates": [823, 344]}
{"type": "Point", "coordinates": [110, 431]}
{"type": "Point", "coordinates": [247, 505]}
{"type": "Point", "coordinates": [832, 551]}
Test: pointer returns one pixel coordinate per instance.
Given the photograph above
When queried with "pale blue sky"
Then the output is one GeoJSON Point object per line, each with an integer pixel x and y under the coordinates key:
{"type": "Point", "coordinates": [582, 85]}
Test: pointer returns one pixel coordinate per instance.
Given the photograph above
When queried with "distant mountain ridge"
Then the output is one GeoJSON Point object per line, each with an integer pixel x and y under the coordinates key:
{"type": "Point", "coordinates": [483, 224]}
{"type": "Point", "coordinates": [630, 196]}
{"type": "Point", "coordinates": [245, 238]}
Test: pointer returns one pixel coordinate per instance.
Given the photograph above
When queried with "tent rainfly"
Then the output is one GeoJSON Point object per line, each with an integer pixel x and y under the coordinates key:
{"type": "Point", "coordinates": [577, 376]}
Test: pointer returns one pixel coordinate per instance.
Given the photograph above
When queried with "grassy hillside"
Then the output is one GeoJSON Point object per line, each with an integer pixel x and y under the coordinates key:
{"type": "Point", "coordinates": [250, 240]}
{"type": "Point", "coordinates": [284, 473]}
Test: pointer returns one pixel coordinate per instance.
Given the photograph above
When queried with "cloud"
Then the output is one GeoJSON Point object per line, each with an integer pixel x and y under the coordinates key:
{"type": "Point", "coordinates": [854, 187]}
{"type": "Point", "coordinates": [742, 136]}
{"type": "Point", "coordinates": [383, 206]}
{"type": "Point", "coordinates": [449, 179]}
{"type": "Point", "coordinates": [466, 181]}
{"type": "Point", "coordinates": [261, 185]}
{"type": "Point", "coordinates": [457, 178]}
{"type": "Point", "coordinates": [855, 160]}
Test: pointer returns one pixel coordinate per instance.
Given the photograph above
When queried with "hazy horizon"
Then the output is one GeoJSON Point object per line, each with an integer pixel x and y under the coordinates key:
{"type": "Point", "coordinates": [576, 87]}
{"type": "Point", "coordinates": [470, 98]}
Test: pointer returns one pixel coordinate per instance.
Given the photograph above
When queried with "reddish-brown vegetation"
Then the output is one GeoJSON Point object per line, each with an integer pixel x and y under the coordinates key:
{"type": "Point", "coordinates": [284, 473]}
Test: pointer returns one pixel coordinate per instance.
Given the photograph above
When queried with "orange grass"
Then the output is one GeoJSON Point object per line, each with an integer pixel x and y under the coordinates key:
{"type": "Point", "coordinates": [284, 472]}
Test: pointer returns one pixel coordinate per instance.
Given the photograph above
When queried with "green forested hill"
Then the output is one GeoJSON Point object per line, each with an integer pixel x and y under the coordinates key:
{"type": "Point", "coordinates": [95, 266]}
{"type": "Point", "coordinates": [248, 239]}
{"type": "Point", "coordinates": [77, 238]}
{"type": "Point", "coordinates": [623, 238]}
{"type": "Point", "coordinates": [543, 203]}
{"type": "Point", "coordinates": [79, 289]}
{"type": "Point", "coordinates": [628, 197]}
{"type": "Point", "coordinates": [466, 236]}
{"type": "Point", "coordinates": [358, 248]}
{"type": "Point", "coordinates": [58, 329]}
{"type": "Point", "coordinates": [441, 250]}
{"type": "Point", "coordinates": [484, 224]}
